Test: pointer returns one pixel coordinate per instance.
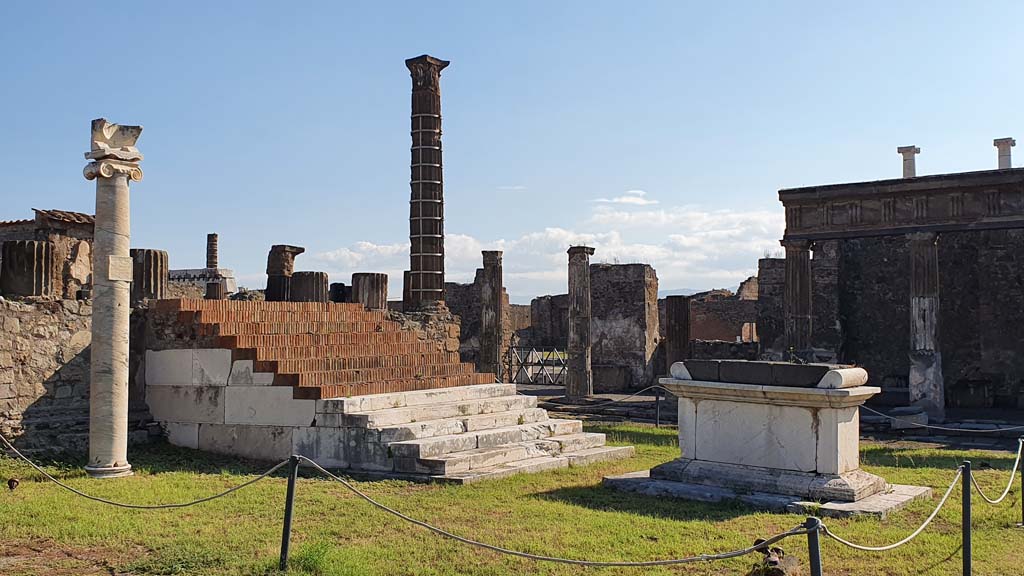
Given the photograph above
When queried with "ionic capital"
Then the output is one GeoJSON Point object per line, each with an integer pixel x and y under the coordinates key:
{"type": "Point", "coordinates": [108, 168]}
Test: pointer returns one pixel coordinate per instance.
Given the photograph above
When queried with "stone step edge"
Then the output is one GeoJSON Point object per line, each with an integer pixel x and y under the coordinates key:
{"type": "Point", "coordinates": [428, 397]}
{"type": "Point", "coordinates": [552, 423]}
{"type": "Point", "coordinates": [432, 383]}
{"type": "Point", "coordinates": [537, 416]}
{"type": "Point", "coordinates": [445, 404]}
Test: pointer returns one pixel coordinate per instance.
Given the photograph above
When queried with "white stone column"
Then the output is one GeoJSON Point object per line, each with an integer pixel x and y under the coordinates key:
{"type": "Point", "coordinates": [909, 161]}
{"type": "Point", "coordinates": [927, 386]}
{"type": "Point", "coordinates": [1003, 145]}
{"type": "Point", "coordinates": [115, 161]}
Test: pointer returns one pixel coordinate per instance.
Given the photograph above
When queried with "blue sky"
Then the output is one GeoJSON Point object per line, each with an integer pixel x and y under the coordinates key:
{"type": "Point", "coordinates": [655, 131]}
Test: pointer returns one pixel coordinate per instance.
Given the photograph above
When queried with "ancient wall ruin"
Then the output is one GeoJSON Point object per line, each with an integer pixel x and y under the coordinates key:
{"type": "Point", "coordinates": [624, 308]}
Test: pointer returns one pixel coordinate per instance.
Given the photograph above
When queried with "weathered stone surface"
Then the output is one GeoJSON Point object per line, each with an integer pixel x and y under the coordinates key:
{"type": "Point", "coordinates": [187, 404]}
{"type": "Point", "coordinates": [149, 275]}
{"type": "Point", "coordinates": [267, 406]}
{"type": "Point", "coordinates": [579, 381]}
{"type": "Point", "coordinates": [624, 325]}
{"type": "Point", "coordinates": [257, 442]}
{"type": "Point", "coordinates": [309, 287]}
{"type": "Point", "coordinates": [26, 268]}
{"type": "Point", "coordinates": [370, 290]}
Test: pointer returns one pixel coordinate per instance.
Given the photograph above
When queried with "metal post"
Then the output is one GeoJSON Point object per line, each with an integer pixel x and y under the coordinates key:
{"type": "Point", "coordinates": [289, 504]}
{"type": "Point", "coordinates": [814, 545]}
{"type": "Point", "coordinates": [965, 517]}
{"type": "Point", "coordinates": [1021, 525]}
{"type": "Point", "coordinates": [657, 407]}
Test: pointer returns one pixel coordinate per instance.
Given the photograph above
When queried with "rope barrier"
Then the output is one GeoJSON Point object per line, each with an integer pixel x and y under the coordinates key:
{"type": "Point", "coordinates": [944, 428]}
{"type": "Point", "coordinates": [1009, 485]}
{"type": "Point", "coordinates": [138, 506]}
{"type": "Point", "coordinates": [916, 533]}
{"type": "Point", "coordinates": [687, 560]}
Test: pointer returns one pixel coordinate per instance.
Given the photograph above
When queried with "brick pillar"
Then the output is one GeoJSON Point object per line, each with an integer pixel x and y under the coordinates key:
{"type": "Point", "coordinates": [926, 382]}
{"type": "Point", "coordinates": [149, 275]}
{"type": "Point", "coordinates": [211, 251]}
{"type": "Point", "coordinates": [280, 265]}
{"type": "Point", "coordinates": [579, 381]}
{"type": "Point", "coordinates": [492, 319]}
{"type": "Point", "coordinates": [114, 162]}
{"type": "Point", "coordinates": [27, 268]}
{"type": "Point", "coordinates": [426, 209]}
{"type": "Point", "coordinates": [797, 303]}
{"type": "Point", "coordinates": [371, 290]}
{"type": "Point", "coordinates": [309, 287]}
{"type": "Point", "coordinates": [677, 329]}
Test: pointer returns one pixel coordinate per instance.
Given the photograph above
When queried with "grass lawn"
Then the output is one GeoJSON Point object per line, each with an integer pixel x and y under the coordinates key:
{"type": "Point", "coordinates": [46, 530]}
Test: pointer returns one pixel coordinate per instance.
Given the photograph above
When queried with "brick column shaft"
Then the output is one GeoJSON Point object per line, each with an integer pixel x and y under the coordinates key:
{"type": "Point", "coordinates": [677, 329]}
{"type": "Point", "coordinates": [492, 319]}
{"type": "Point", "coordinates": [797, 303]}
{"type": "Point", "coordinates": [579, 380]}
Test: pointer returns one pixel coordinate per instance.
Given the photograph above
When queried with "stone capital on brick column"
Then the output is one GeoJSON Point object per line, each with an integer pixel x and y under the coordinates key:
{"type": "Point", "coordinates": [909, 161]}
{"type": "Point", "coordinates": [426, 72]}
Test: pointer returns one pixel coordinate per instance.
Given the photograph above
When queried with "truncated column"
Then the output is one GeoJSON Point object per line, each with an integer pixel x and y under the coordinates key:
{"type": "Point", "coordinates": [149, 275]}
{"type": "Point", "coordinates": [309, 287]}
{"type": "Point", "coordinates": [370, 289]}
{"type": "Point", "coordinates": [925, 381]}
{"type": "Point", "coordinates": [27, 268]}
{"type": "Point", "coordinates": [426, 207]}
{"type": "Point", "coordinates": [114, 162]}
{"type": "Point", "coordinates": [280, 265]}
{"type": "Point", "coordinates": [579, 381]}
{"type": "Point", "coordinates": [492, 321]}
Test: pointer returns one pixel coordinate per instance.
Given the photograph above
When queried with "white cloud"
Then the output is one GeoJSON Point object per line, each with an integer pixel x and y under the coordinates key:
{"type": "Point", "coordinates": [688, 246]}
{"type": "Point", "coordinates": [633, 197]}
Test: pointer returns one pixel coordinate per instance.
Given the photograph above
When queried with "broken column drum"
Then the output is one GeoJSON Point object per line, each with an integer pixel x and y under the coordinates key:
{"type": "Point", "coordinates": [309, 287]}
{"type": "Point", "coordinates": [338, 292]}
{"type": "Point", "coordinates": [370, 289]}
{"type": "Point", "coordinates": [149, 275]}
{"type": "Point", "coordinates": [925, 380]}
{"type": "Point", "coordinates": [114, 162]}
{"type": "Point", "coordinates": [492, 321]}
{"type": "Point", "coordinates": [579, 381]}
{"type": "Point", "coordinates": [280, 266]}
{"type": "Point", "coordinates": [26, 268]}
{"type": "Point", "coordinates": [426, 207]}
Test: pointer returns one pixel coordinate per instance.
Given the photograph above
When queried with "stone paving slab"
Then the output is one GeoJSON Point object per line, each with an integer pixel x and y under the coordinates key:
{"type": "Point", "coordinates": [879, 505]}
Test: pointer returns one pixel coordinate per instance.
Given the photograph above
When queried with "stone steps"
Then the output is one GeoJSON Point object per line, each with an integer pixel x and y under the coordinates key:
{"type": "Point", "coordinates": [450, 426]}
{"type": "Point", "coordinates": [335, 377]}
{"type": "Point", "coordinates": [372, 402]}
{"type": "Point", "coordinates": [480, 458]}
{"type": "Point", "coordinates": [343, 351]}
{"type": "Point", "coordinates": [272, 328]}
{"type": "Point", "coordinates": [539, 464]}
{"type": "Point", "coordinates": [330, 364]}
{"type": "Point", "coordinates": [332, 391]}
{"type": "Point", "coordinates": [491, 438]}
{"type": "Point", "coordinates": [337, 339]}
{"type": "Point", "coordinates": [441, 411]}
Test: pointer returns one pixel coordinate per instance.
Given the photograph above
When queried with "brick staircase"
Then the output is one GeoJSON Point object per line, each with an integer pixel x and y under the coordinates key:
{"type": "Point", "coordinates": [351, 389]}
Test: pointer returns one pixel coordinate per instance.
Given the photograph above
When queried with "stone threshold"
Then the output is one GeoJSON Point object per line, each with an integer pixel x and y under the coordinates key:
{"type": "Point", "coordinates": [879, 505]}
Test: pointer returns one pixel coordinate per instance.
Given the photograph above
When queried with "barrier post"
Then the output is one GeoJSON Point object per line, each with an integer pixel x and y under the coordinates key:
{"type": "Point", "coordinates": [657, 407]}
{"type": "Point", "coordinates": [965, 518]}
{"type": "Point", "coordinates": [814, 545]}
{"type": "Point", "coordinates": [289, 504]}
{"type": "Point", "coordinates": [1021, 524]}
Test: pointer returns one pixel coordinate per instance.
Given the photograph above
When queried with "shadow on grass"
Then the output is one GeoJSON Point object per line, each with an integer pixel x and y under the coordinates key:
{"type": "Point", "coordinates": [940, 459]}
{"type": "Point", "coordinates": [609, 500]}
{"type": "Point", "coordinates": [636, 435]}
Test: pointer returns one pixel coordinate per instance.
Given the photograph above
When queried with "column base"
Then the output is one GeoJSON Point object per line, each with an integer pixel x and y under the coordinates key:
{"type": "Point", "coordinates": [100, 472]}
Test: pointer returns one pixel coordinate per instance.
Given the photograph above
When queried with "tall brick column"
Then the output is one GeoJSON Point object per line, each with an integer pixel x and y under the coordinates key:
{"type": "Point", "coordinates": [27, 268]}
{"type": "Point", "coordinates": [280, 266]}
{"type": "Point", "coordinates": [114, 162]}
{"type": "Point", "coordinates": [579, 381]}
{"type": "Point", "coordinates": [492, 320]}
{"type": "Point", "coordinates": [149, 275]}
{"type": "Point", "coordinates": [212, 260]}
{"type": "Point", "coordinates": [426, 208]}
{"type": "Point", "coordinates": [797, 302]}
{"type": "Point", "coordinates": [370, 289]}
{"type": "Point", "coordinates": [925, 381]}
{"type": "Point", "coordinates": [677, 329]}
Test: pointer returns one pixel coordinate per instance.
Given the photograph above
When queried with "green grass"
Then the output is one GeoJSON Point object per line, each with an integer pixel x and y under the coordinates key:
{"type": "Point", "coordinates": [45, 530]}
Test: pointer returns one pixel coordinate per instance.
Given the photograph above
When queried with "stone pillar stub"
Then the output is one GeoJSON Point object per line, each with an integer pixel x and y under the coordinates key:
{"type": "Point", "coordinates": [114, 162]}
{"type": "Point", "coordinates": [215, 291]}
{"type": "Point", "coordinates": [797, 299]}
{"type": "Point", "coordinates": [927, 387]}
{"type": "Point", "coordinates": [1003, 145]}
{"type": "Point", "coordinates": [27, 268]}
{"type": "Point", "coordinates": [280, 266]}
{"type": "Point", "coordinates": [340, 293]}
{"type": "Point", "coordinates": [677, 329]}
{"type": "Point", "coordinates": [492, 320]}
{"type": "Point", "coordinates": [149, 275]}
{"type": "Point", "coordinates": [426, 206]}
{"type": "Point", "coordinates": [909, 154]}
{"type": "Point", "coordinates": [579, 380]}
{"type": "Point", "coordinates": [370, 289]}
{"type": "Point", "coordinates": [309, 287]}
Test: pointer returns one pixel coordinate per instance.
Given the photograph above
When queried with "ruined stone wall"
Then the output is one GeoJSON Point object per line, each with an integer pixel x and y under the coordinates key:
{"type": "Point", "coordinates": [624, 307]}
{"type": "Point", "coordinates": [549, 321]}
{"type": "Point", "coordinates": [722, 350]}
{"type": "Point", "coordinates": [72, 253]}
{"type": "Point", "coordinates": [771, 287]}
{"type": "Point", "coordinates": [721, 314]}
